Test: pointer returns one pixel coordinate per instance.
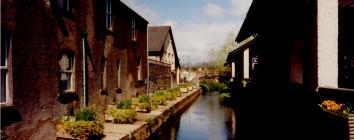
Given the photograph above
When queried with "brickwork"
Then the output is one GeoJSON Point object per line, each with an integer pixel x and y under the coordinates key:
{"type": "Point", "coordinates": [40, 33]}
{"type": "Point", "coordinates": [159, 76]}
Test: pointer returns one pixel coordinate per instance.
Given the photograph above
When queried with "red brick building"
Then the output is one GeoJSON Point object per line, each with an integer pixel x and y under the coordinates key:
{"type": "Point", "coordinates": [58, 55]}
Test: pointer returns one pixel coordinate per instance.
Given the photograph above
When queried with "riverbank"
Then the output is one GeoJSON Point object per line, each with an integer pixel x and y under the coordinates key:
{"type": "Point", "coordinates": [148, 123]}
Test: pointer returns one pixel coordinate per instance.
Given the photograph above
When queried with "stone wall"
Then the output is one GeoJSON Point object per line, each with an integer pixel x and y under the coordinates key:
{"type": "Point", "coordinates": [159, 76]}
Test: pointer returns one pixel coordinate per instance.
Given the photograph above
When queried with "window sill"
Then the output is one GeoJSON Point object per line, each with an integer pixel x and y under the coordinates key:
{"type": "Point", "coordinates": [109, 31]}
{"type": "Point", "coordinates": [104, 92]}
{"type": "Point", "coordinates": [67, 96]}
{"type": "Point", "coordinates": [118, 90]}
{"type": "Point", "coordinates": [7, 105]}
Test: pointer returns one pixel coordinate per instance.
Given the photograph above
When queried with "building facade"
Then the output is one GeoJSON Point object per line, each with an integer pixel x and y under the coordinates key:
{"type": "Point", "coordinates": [164, 68]}
{"type": "Point", "coordinates": [309, 46]}
{"type": "Point", "coordinates": [60, 55]}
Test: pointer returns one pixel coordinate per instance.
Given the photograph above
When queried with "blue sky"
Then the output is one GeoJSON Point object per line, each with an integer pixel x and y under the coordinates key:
{"type": "Point", "coordinates": [197, 25]}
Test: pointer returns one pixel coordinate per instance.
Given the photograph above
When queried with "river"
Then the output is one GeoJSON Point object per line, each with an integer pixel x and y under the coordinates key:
{"type": "Point", "coordinates": [205, 119]}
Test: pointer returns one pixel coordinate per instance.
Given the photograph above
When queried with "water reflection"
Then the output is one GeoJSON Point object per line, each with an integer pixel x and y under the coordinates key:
{"type": "Point", "coordinates": [206, 119]}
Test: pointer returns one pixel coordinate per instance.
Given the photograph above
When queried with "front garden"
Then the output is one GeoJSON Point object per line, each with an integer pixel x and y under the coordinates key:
{"type": "Point", "coordinates": [86, 125]}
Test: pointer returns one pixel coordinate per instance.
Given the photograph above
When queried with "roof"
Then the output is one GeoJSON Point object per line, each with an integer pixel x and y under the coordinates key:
{"type": "Point", "coordinates": [130, 9]}
{"type": "Point", "coordinates": [156, 39]}
{"type": "Point", "coordinates": [157, 36]}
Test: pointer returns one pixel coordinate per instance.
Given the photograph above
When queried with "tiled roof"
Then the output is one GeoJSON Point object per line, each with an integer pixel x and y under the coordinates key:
{"type": "Point", "coordinates": [157, 36]}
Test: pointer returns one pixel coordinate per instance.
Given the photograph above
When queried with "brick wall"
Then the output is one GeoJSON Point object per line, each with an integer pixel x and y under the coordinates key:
{"type": "Point", "coordinates": [159, 76]}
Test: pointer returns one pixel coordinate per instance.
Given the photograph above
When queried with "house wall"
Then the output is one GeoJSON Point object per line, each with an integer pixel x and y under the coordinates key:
{"type": "Point", "coordinates": [39, 34]}
{"type": "Point", "coordinates": [327, 43]}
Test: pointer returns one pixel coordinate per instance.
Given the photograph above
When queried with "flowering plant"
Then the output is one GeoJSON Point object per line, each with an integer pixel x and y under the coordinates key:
{"type": "Point", "coordinates": [332, 106]}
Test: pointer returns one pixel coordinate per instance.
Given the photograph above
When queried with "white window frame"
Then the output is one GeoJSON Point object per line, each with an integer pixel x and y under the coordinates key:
{"type": "Point", "coordinates": [71, 72]}
{"type": "Point", "coordinates": [108, 13]}
{"type": "Point", "coordinates": [7, 44]}
{"type": "Point", "coordinates": [138, 68]}
{"type": "Point", "coordinates": [134, 38]}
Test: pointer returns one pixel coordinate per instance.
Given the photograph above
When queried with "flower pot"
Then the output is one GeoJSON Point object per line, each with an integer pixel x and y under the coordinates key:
{"type": "Point", "coordinates": [183, 90]}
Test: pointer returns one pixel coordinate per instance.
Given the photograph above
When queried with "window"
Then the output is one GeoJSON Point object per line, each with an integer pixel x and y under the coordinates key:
{"type": "Point", "coordinates": [5, 45]}
{"type": "Point", "coordinates": [108, 14]}
{"type": "Point", "coordinates": [138, 67]}
{"type": "Point", "coordinates": [118, 72]}
{"type": "Point", "coordinates": [133, 29]}
{"type": "Point", "coordinates": [103, 74]}
{"type": "Point", "coordinates": [66, 78]}
{"type": "Point", "coordinates": [64, 5]}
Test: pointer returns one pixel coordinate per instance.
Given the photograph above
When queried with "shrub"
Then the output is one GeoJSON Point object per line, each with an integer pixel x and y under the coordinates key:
{"type": "Point", "coordinates": [225, 95]}
{"type": "Point", "coordinates": [83, 128]}
{"type": "Point", "coordinates": [160, 93]}
{"type": "Point", "coordinates": [158, 100]}
{"type": "Point", "coordinates": [144, 99]}
{"type": "Point", "coordinates": [124, 104]}
{"type": "Point", "coordinates": [85, 123]}
{"type": "Point", "coordinates": [85, 114]}
{"type": "Point", "coordinates": [122, 115]}
{"type": "Point", "coordinates": [143, 103]}
{"type": "Point", "coordinates": [204, 87]}
{"type": "Point", "coordinates": [170, 96]}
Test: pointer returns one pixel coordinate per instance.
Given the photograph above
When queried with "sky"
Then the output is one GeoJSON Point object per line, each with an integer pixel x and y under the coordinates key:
{"type": "Point", "coordinates": [197, 25]}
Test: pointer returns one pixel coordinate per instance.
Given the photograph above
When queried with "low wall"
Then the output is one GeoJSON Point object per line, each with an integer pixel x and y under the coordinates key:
{"type": "Point", "coordinates": [148, 123]}
{"type": "Point", "coordinates": [159, 76]}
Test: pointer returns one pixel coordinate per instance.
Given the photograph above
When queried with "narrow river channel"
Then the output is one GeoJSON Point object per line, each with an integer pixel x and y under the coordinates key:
{"type": "Point", "coordinates": [206, 119]}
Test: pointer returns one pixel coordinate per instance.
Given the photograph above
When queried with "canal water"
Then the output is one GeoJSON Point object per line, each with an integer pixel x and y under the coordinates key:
{"type": "Point", "coordinates": [206, 119]}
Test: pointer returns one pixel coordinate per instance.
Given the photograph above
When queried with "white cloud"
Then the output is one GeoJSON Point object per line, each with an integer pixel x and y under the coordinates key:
{"type": "Point", "coordinates": [197, 39]}
{"type": "Point", "coordinates": [240, 7]}
{"type": "Point", "coordinates": [149, 14]}
{"type": "Point", "coordinates": [169, 23]}
{"type": "Point", "coordinates": [213, 10]}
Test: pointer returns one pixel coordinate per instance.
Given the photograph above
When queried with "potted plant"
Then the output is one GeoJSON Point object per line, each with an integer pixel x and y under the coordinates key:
{"type": "Point", "coordinates": [84, 124]}
{"type": "Point", "coordinates": [122, 112]}
{"type": "Point", "coordinates": [143, 103]}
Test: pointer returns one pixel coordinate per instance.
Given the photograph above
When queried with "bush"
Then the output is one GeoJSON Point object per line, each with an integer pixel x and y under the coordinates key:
{"type": "Point", "coordinates": [83, 128]}
{"type": "Point", "coordinates": [225, 95]}
{"type": "Point", "coordinates": [124, 104]}
{"type": "Point", "coordinates": [143, 103]}
{"type": "Point", "coordinates": [85, 124]}
{"type": "Point", "coordinates": [204, 87]}
{"type": "Point", "coordinates": [85, 114]}
{"type": "Point", "coordinates": [158, 100]}
{"type": "Point", "coordinates": [144, 99]}
{"type": "Point", "coordinates": [170, 96]}
{"type": "Point", "coordinates": [122, 115]}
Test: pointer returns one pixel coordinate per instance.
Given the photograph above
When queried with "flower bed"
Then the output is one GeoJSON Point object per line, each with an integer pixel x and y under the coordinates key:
{"type": "Point", "coordinates": [338, 109]}
{"type": "Point", "coordinates": [84, 124]}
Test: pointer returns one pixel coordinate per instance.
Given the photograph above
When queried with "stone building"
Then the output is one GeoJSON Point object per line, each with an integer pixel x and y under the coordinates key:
{"type": "Point", "coordinates": [309, 46]}
{"type": "Point", "coordinates": [294, 54]}
{"type": "Point", "coordinates": [164, 68]}
{"type": "Point", "coordinates": [60, 55]}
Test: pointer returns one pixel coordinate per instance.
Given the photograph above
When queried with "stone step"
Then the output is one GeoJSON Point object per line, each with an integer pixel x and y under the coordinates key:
{"type": "Point", "coordinates": [351, 115]}
{"type": "Point", "coordinates": [351, 122]}
{"type": "Point", "coordinates": [351, 137]}
{"type": "Point", "coordinates": [351, 132]}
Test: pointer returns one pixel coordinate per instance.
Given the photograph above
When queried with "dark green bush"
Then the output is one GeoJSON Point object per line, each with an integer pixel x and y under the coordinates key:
{"type": "Point", "coordinates": [124, 104]}
{"type": "Point", "coordinates": [85, 114]}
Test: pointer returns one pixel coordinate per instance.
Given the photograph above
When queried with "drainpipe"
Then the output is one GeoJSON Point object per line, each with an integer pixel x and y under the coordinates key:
{"type": "Point", "coordinates": [83, 34]}
{"type": "Point", "coordinates": [84, 67]}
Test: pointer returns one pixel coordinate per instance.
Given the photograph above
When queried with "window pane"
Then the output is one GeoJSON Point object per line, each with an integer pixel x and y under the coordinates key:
{"type": "Point", "coordinates": [4, 47]}
{"type": "Point", "coordinates": [3, 85]}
